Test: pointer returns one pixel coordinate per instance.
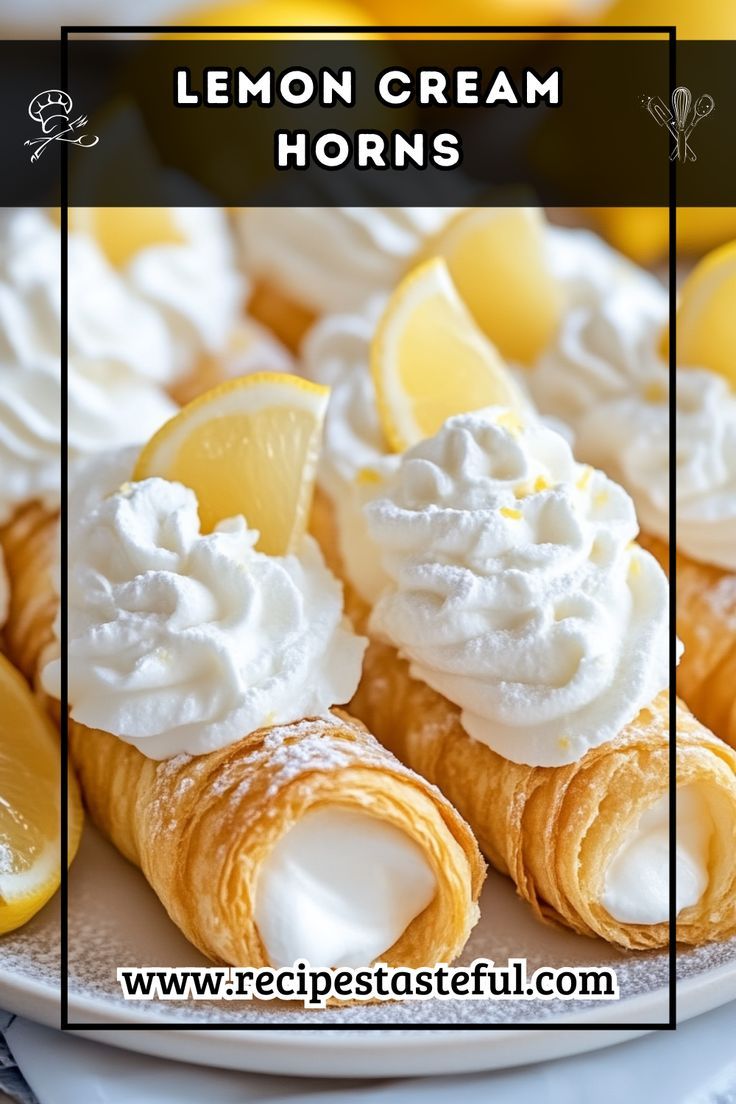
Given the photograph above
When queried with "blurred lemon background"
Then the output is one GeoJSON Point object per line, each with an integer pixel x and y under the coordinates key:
{"type": "Point", "coordinates": [704, 19]}
{"type": "Point", "coordinates": [642, 233]}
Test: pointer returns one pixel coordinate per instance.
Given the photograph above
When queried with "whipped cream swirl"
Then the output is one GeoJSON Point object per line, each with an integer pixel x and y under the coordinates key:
{"type": "Point", "coordinates": [704, 461]}
{"type": "Point", "coordinates": [184, 642]}
{"type": "Point", "coordinates": [605, 377]}
{"type": "Point", "coordinates": [515, 588]}
{"type": "Point", "coordinates": [336, 353]}
{"type": "Point", "coordinates": [30, 389]}
{"type": "Point", "coordinates": [603, 350]}
{"type": "Point", "coordinates": [706, 467]}
{"type": "Point", "coordinates": [335, 258]}
{"type": "Point", "coordinates": [170, 304]}
{"type": "Point", "coordinates": [109, 403]}
{"type": "Point", "coordinates": [590, 270]}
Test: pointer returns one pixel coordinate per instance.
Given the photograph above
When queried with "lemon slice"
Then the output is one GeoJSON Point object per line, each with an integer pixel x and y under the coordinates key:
{"type": "Point", "coordinates": [706, 316]}
{"type": "Point", "coordinates": [497, 258]}
{"type": "Point", "coordinates": [249, 446]}
{"type": "Point", "coordinates": [429, 360]}
{"type": "Point", "coordinates": [30, 803]}
{"type": "Point", "coordinates": [121, 232]}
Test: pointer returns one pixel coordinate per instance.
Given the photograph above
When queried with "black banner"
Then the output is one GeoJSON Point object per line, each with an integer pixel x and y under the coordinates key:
{"type": "Point", "coordinates": [478, 122]}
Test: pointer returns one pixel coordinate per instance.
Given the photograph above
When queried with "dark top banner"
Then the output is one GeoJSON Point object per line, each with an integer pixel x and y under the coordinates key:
{"type": "Point", "coordinates": [563, 123]}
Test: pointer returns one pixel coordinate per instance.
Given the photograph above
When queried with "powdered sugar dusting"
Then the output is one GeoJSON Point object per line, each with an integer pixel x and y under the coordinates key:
{"type": "Point", "coordinates": [116, 920]}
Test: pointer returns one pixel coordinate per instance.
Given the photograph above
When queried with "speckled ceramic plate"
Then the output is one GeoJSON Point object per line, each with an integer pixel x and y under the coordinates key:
{"type": "Point", "coordinates": [115, 920]}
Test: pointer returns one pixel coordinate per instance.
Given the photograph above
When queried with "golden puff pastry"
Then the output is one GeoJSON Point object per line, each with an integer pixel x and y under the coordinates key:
{"type": "Point", "coordinates": [555, 830]}
{"type": "Point", "coordinates": [706, 625]}
{"type": "Point", "coordinates": [30, 542]}
{"type": "Point", "coordinates": [201, 828]}
{"type": "Point", "coordinates": [288, 320]}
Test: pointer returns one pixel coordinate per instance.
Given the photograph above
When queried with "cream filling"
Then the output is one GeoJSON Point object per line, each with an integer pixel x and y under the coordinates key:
{"type": "Point", "coordinates": [339, 889]}
{"type": "Point", "coordinates": [637, 889]}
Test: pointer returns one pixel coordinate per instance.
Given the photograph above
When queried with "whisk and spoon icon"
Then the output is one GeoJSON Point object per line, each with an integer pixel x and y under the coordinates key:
{"type": "Point", "coordinates": [680, 122]}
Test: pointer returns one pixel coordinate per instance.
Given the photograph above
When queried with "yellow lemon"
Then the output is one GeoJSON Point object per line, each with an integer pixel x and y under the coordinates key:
{"type": "Point", "coordinates": [249, 446]}
{"type": "Point", "coordinates": [643, 232]}
{"type": "Point", "coordinates": [429, 359]}
{"type": "Point", "coordinates": [277, 13]}
{"type": "Point", "coordinates": [479, 12]}
{"type": "Point", "coordinates": [498, 262]}
{"type": "Point", "coordinates": [703, 228]}
{"type": "Point", "coordinates": [30, 803]}
{"type": "Point", "coordinates": [706, 315]}
{"type": "Point", "coordinates": [705, 19]}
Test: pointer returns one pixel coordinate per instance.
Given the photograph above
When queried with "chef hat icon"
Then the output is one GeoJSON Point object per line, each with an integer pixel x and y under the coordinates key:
{"type": "Point", "coordinates": [48, 107]}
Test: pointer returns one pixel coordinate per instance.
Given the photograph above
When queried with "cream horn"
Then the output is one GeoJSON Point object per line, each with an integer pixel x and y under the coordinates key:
{"type": "Point", "coordinates": [203, 676]}
{"type": "Point", "coordinates": [110, 401]}
{"type": "Point", "coordinates": [614, 312]}
{"type": "Point", "coordinates": [155, 306]}
{"type": "Point", "coordinates": [607, 377]}
{"type": "Point", "coordinates": [519, 660]}
{"type": "Point", "coordinates": [706, 625]}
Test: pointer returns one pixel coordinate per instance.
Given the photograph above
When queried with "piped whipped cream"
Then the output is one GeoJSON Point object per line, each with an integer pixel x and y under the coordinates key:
{"type": "Point", "coordinates": [339, 889]}
{"type": "Point", "coordinates": [604, 349]}
{"type": "Point", "coordinates": [336, 351]}
{"type": "Point", "coordinates": [590, 270]}
{"type": "Point", "coordinates": [194, 285]}
{"type": "Point", "coordinates": [704, 460]}
{"type": "Point", "coordinates": [108, 403]}
{"type": "Point", "coordinates": [637, 889]}
{"type": "Point", "coordinates": [605, 377]}
{"type": "Point", "coordinates": [706, 467]}
{"type": "Point", "coordinates": [184, 642]}
{"type": "Point", "coordinates": [516, 588]}
{"type": "Point", "coordinates": [335, 258]}
{"type": "Point", "coordinates": [30, 391]}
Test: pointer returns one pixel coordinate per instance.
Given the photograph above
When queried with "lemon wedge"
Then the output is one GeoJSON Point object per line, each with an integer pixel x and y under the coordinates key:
{"type": "Point", "coordinates": [30, 803]}
{"type": "Point", "coordinates": [121, 232]}
{"type": "Point", "coordinates": [429, 360]}
{"type": "Point", "coordinates": [249, 446]}
{"type": "Point", "coordinates": [706, 315]}
{"type": "Point", "coordinates": [497, 259]}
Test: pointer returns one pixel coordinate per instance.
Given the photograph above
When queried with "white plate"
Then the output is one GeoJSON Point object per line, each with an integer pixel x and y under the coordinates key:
{"type": "Point", "coordinates": [116, 920]}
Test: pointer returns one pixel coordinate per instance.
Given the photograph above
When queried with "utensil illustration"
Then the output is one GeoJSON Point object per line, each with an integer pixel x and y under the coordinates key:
{"type": "Point", "coordinates": [681, 102]}
{"type": "Point", "coordinates": [702, 109]}
{"type": "Point", "coordinates": [681, 119]}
